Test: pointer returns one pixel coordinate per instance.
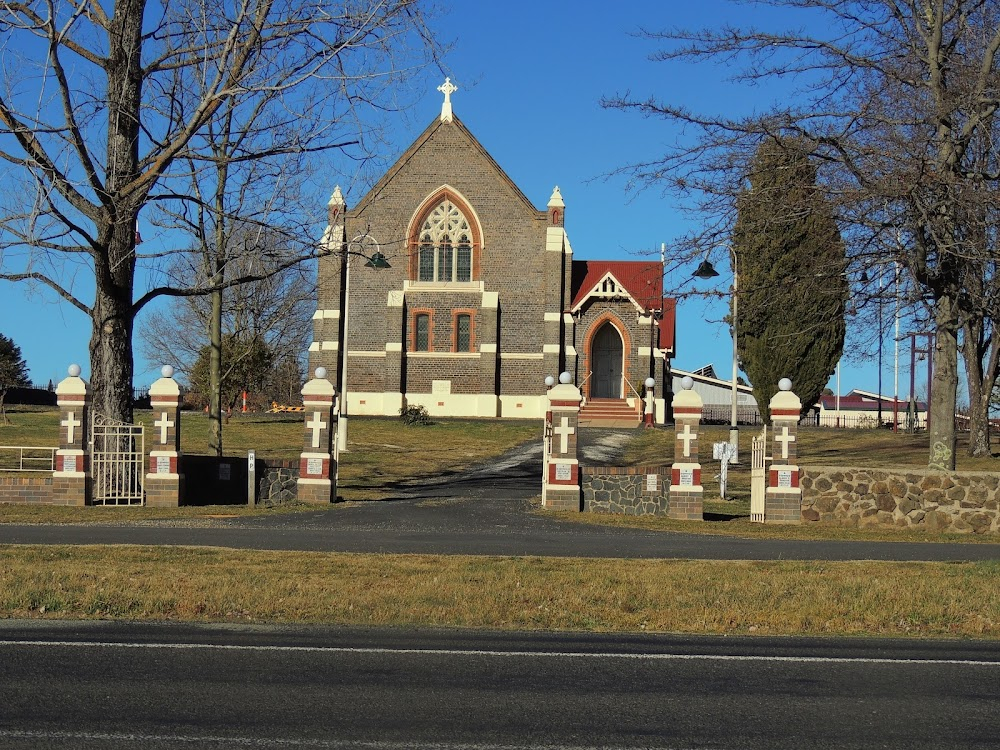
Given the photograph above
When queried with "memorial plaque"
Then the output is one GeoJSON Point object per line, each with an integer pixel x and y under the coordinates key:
{"type": "Point", "coordinates": [69, 462]}
{"type": "Point", "coordinates": [441, 387]}
{"type": "Point", "coordinates": [651, 482]}
{"type": "Point", "coordinates": [784, 478]}
{"type": "Point", "coordinates": [564, 472]}
{"type": "Point", "coordinates": [225, 472]}
{"type": "Point", "coordinates": [687, 477]}
{"type": "Point", "coordinates": [314, 466]}
{"type": "Point", "coordinates": [163, 464]}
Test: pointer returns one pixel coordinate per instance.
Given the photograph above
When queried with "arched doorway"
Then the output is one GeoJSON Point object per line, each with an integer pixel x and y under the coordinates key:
{"type": "Point", "coordinates": [606, 356]}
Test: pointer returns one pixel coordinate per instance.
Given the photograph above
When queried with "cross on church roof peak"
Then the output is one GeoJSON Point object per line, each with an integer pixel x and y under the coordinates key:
{"type": "Point", "coordinates": [447, 88]}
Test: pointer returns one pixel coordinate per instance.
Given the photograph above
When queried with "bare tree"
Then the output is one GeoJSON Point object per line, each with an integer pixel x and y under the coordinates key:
{"type": "Point", "coordinates": [99, 107]}
{"type": "Point", "coordinates": [893, 97]}
{"type": "Point", "coordinates": [275, 312]}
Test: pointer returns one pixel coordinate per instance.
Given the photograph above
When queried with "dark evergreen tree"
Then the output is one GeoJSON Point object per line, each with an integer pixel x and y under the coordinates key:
{"type": "Point", "coordinates": [13, 371]}
{"type": "Point", "coordinates": [792, 285]}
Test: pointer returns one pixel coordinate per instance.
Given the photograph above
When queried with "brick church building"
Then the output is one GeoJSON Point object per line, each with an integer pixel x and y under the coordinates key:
{"type": "Point", "coordinates": [457, 294]}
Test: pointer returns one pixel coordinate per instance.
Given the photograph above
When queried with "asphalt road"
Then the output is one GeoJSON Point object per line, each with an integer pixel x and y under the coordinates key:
{"type": "Point", "coordinates": [485, 510]}
{"type": "Point", "coordinates": [104, 685]}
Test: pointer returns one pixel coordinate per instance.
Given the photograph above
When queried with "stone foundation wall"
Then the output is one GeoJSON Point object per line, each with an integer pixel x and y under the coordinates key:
{"type": "Point", "coordinates": [963, 502]}
{"type": "Point", "coordinates": [623, 489]}
{"type": "Point", "coordinates": [277, 481]}
{"type": "Point", "coordinates": [35, 490]}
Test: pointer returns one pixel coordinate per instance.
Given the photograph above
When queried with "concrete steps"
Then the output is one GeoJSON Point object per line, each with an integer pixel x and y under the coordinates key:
{"type": "Point", "coordinates": [608, 412]}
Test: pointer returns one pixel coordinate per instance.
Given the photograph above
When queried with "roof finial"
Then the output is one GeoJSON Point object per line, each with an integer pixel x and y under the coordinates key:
{"type": "Point", "coordinates": [447, 88]}
{"type": "Point", "coordinates": [337, 199]}
{"type": "Point", "coordinates": [556, 200]}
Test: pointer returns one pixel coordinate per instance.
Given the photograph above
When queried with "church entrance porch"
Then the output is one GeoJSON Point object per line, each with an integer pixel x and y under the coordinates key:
{"type": "Point", "coordinates": [607, 357]}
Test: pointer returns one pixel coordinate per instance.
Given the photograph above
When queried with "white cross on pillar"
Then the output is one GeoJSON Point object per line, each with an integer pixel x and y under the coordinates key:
{"type": "Point", "coordinates": [163, 423]}
{"type": "Point", "coordinates": [316, 425]}
{"type": "Point", "coordinates": [687, 436]}
{"type": "Point", "coordinates": [784, 438]}
{"type": "Point", "coordinates": [564, 431]}
{"type": "Point", "coordinates": [71, 424]}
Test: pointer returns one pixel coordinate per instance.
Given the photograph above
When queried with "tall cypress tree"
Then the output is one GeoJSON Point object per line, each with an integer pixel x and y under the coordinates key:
{"type": "Point", "coordinates": [792, 285]}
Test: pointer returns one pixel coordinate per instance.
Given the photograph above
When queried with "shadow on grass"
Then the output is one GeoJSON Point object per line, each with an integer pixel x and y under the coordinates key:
{"type": "Point", "coordinates": [724, 517]}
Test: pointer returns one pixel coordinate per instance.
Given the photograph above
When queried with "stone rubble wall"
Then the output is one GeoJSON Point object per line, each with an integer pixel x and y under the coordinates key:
{"type": "Point", "coordinates": [277, 481]}
{"type": "Point", "coordinates": [622, 489]}
{"type": "Point", "coordinates": [962, 502]}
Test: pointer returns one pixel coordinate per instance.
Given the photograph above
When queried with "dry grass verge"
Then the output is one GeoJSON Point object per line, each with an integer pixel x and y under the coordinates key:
{"type": "Point", "coordinates": [802, 598]}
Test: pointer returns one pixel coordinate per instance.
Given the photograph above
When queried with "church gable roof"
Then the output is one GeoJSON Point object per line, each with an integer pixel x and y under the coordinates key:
{"type": "Point", "coordinates": [435, 126]}
{"type": "Point", "coordinates": [640, 282]}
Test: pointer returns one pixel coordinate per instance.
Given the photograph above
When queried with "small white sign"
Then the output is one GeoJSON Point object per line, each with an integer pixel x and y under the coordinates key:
{"type": "Point", "coordinates": [564, 472]}
{"type": "Point", "coordinates": [69, 462]}
{"type": "Point", "coordinates": [251, 460]}
{"type": "Point", "coordinates": [651, 482]}
{"type": "Point", "coordinates": [314, 466]}
{"type": "Point", "coordinates": [441, 387]}
{"type": "Point", "coordinates": [163, 464]}
{"type": "Point", "coordinates": [687, 477]}
{"type": "Point", "coordinates": [225, 472]}
{"type": "Point", "coordinates": [784, 478]}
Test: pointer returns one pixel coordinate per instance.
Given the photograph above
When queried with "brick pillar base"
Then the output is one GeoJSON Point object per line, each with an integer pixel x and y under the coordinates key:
{"type": "Point", "coordinates": [686, 492]}
{"type": "Point", "coordinates": [71, 477]}
{"type": "Point", "coordinates": [317, 483]}
{"type": "Point", "coordinates": [164, 485]}
{"type": "Point", "coordinates": [561, 471]}
{"type": "Point", "coordinates": [783, 497]}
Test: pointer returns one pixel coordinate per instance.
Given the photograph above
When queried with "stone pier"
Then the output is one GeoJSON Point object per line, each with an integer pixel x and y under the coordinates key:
{"type": "Point", "coordinates": [71, 478]}
{"type": "Point", "coordinates": [783, 497]}
{"type": "Point", "coordinates": [561, 488]}
{"type": "Point", "coordinates": [317, 481]}
{"type": "Point", "coordinates": [164, 482]}
{"type": "Point", "coordinates": [686, 492]}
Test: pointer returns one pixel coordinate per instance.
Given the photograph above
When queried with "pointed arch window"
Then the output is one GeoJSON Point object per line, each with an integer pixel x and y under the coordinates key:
{"type": "Point", "coordinates": [445, 245]}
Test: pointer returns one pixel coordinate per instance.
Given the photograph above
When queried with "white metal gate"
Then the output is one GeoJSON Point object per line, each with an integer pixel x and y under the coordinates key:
{"type": "Point", "coordinates": [117, 451]}
{"type": "Point", "coordinates": [758, 476]}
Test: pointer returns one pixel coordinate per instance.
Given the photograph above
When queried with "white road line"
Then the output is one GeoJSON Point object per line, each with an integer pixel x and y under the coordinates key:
{"type": "Point", "coordinates": [503, 654]}
{"type": "Point", "coordinates": [332, 744]}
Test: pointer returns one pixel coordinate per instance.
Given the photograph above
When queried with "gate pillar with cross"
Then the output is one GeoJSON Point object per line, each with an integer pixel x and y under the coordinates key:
{"type": "Point", "coordinates": [686, 492]}
{"type": "Point", "coordinates": [317, 481]}
{"type": "Point", "coordinates": [71, 478]}
{"type": "Point", "coordinates": [561, 479]}
{"type": "Point", "coordinates": [164, 483]}
{"type": "Point", "coordinates": [783, 498]}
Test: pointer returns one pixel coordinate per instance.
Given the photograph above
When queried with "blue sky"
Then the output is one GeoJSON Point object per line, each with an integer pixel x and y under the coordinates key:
{"type": "Point", "coordinates": [530, 78]}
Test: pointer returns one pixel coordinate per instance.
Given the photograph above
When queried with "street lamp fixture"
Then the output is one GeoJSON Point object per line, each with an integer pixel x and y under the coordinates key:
{"type": "Point", "coordinates": [707, 271]}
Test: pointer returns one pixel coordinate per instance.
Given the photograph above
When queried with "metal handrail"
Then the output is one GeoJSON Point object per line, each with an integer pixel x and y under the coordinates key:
{"type": "Point", "coordinates": [584, 401]}
{"type": "Point", "coordinates": [638, 396]}
{"type": "Point", "coordinates": [48, 462]}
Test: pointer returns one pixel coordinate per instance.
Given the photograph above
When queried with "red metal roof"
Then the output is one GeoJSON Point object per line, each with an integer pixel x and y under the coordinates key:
{"type": "Point", "coordinates": [643, 280]}
{"type": "Point", "coordinates": [860, 403]}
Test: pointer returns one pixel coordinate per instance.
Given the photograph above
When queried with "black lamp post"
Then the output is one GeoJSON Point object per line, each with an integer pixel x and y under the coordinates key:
{"type": "Point", "coordinates": [707, 271]}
